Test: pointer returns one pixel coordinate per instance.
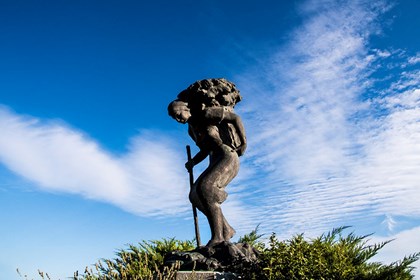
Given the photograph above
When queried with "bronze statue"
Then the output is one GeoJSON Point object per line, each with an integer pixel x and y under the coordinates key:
{"type": "Point", "coordinates": [207, 107]}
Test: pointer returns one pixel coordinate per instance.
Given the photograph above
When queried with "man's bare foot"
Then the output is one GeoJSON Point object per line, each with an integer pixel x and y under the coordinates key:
{"type": "Point", "coordinates": [228, 233]}
{"type": "Point", "coordinates": [214, 242]}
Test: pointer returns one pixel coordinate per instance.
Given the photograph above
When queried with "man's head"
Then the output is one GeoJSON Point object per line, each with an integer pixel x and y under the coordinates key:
{"type": "Point", "coordinates": [179, 111]}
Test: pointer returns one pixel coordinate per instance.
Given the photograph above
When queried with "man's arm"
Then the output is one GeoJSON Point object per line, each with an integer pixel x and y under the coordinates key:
{"type": "Point", "coordinates": [239, 127]}
{"type": "Point", "coordinates": [199, 157]}
{"type": "Point", "coordinates": [218, 114]}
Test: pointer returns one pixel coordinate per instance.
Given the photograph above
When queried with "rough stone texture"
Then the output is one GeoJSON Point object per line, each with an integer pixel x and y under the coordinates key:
{"type": "Point", "coordinates": [224, 256]}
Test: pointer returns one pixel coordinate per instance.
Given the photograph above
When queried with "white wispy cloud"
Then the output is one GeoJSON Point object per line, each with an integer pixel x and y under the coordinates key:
{"type": "Point", "coordinates": [330, 142]}
{"type": "Point", "coordinates": [414, 59]}
{"type": "Point", "coordinates": [147, 180]}
{"type": "Point", "coordinates": [393, 156]}
{"type": "Point", "coordinates": [403, 243]}
{"type": "Point", "coordinates": [330, 154]}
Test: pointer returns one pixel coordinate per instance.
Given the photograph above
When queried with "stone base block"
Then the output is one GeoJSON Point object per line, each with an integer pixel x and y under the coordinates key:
{"type": "Point", "coordinates": [205, 275]}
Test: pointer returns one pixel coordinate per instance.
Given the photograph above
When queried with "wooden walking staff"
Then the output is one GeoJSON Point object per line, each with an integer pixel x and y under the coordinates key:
{"type": "Point", "coordinates": [190, 171]}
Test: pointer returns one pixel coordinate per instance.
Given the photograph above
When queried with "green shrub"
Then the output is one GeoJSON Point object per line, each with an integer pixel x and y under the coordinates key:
{"type": "Point", "coordinates": [138, 262]}
{"type": "Point", "coordinates": [253, 238]}
{"type": "Point", "coordinates": [330, 256]}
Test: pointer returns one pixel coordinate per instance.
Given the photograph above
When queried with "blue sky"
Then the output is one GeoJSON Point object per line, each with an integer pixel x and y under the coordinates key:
{"type": "Point", "coordinates": [90, 160]}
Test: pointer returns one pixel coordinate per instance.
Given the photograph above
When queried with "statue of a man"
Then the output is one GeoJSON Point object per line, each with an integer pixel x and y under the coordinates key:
{"type": "Point", "coordinates": [207, 107]}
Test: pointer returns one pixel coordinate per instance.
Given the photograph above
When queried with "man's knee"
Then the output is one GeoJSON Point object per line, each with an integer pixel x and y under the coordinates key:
{"type": "Point", "coordinates": [212, 194]}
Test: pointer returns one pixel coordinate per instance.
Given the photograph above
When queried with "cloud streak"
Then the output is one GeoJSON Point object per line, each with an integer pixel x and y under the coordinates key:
{"type": "Point", "coordinates": [330, 154]}
{"type": "Point", "coordinates": [145, 181]}
{"type": "Point", "coordinates": [404, 241]}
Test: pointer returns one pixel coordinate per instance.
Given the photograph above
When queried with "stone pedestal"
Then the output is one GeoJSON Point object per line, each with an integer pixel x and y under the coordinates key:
{"type": "Point", "coordinates": [224, 256]}
{"type": "Point", "coordinates": [205, 275]}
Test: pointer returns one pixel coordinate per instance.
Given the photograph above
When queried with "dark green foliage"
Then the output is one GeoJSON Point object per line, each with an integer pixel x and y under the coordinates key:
{"type": "Point", "coordinates": [253, 239]}
{"type": "Point", "coordinates": [138, 262]}
{"type": "Point", "coordinates": [330, 256]}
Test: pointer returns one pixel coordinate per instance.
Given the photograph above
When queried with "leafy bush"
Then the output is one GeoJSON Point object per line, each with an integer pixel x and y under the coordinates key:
{"type": "Point", "coordinates": [138, 262]}
{"type": "Point", "coordinates": [253, 238]}
{"type": "Point", "coordinates": [330, 256]}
